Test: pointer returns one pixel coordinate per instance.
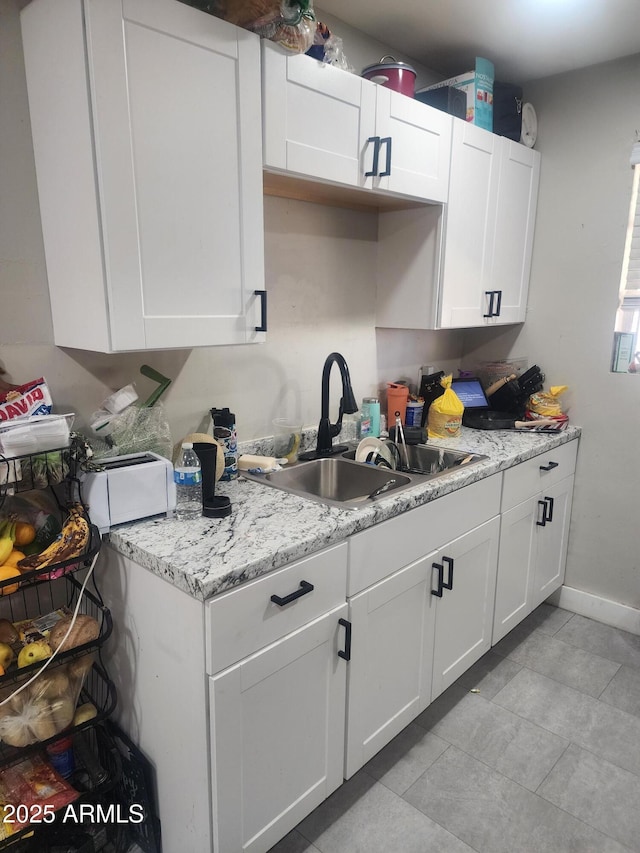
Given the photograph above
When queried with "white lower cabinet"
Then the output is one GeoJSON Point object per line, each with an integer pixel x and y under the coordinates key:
{"type": "Point", "coordinates": [277, 651]}
{"type": "Point", "coordinates": [416, 630]}
{"type": "Point", "coordinates": [464, 572]}
{"type": "Point", "coordinates": [534, 535]}
{"type": "Point", "coordinates": [277, 735]}
{"type": "Point", "coordinates": [391, 657]}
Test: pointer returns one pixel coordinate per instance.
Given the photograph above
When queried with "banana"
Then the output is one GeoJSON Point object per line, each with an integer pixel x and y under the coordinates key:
{"type": "Point", "coordinates": [7, 535]}
{"type": "Point", "coordinates": [71, 543]}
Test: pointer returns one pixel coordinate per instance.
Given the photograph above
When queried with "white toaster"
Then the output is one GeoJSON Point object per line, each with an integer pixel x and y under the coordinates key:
{"type": "Point", "coordinates": [130, 487]}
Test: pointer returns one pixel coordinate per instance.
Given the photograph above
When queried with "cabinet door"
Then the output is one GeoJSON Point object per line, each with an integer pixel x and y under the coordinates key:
{"type": "Point", "coordinates": [464, 613]}
{"type": "Point", "coordinates": [151, 136]}
{"type": "Point", "coordinates": [415, 147]}
{"type": "Point", "coordinates": [552, 540]}
{"type": "Point", "coordinates": [389, 676]}
{"type": "Point", "coordinates": [519, 175]}
{"type": "Point", "coordinates": [277, 735]}
{"type": "Point", "coordinates": [318, 119]}
{"type": "Point", "coordinates": [470, 227]}
{"type": "Point", "coordinates": [516, 562]}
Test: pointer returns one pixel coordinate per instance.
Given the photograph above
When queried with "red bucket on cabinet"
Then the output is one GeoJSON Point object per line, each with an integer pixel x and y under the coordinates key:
{"type": "Point", "coordinates": [393, 75]}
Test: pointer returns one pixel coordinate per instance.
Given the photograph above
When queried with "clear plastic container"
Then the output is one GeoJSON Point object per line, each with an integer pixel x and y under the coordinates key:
{"type": "Point", "coordinates": [188, 479]}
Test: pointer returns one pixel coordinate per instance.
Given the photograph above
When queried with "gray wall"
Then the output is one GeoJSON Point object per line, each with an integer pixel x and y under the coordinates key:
{"type": "Point", "coordinates": [588, 121]}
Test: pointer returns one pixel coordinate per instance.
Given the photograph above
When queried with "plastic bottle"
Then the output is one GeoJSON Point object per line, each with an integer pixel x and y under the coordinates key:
{"type": "Point", "coordinates": [224, 430]}
{"type": "Point", "coordinates": [188, 480]}
{"type": "Point", "coordinates": [371, 407]}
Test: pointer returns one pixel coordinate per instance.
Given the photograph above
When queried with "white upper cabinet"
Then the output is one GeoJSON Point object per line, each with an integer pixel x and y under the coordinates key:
{"type": "Point", "coordinates": [490, 220]}
{"type": "Point", "coordinates": [466, 264]}
{"type": "Point", "coordinates": [146, 127]}
{"type": "Point", "coordinates": [328, 125]}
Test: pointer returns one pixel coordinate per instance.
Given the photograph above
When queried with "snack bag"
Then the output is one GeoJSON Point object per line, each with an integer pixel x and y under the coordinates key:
{"type": "Point", "coordinates": [546, 405]}
{"type": "Point", "coordinates": [33, 398]}
{"type": "Point", "coordinates": [445, 413]}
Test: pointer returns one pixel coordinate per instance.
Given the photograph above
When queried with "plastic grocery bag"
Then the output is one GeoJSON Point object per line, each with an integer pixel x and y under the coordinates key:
{"type": "Point", "coordinates": [547, 405]}
{"type": "Point", "coordinates": [445, 413]}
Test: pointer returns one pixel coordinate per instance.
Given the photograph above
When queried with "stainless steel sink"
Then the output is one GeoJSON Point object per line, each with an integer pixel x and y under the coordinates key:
{"type": "Point", "coordinates": [336, 481]}
{"type": "Point", "coordinates": [429, 460]}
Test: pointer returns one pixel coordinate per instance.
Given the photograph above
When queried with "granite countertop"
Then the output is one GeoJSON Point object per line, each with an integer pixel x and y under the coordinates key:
{"type": "Point", "coordinates": [269, 528]}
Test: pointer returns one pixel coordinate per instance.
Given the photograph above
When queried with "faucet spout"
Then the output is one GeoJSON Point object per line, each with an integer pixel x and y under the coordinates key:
{"type": "Point", "coordinates": [326, 430]}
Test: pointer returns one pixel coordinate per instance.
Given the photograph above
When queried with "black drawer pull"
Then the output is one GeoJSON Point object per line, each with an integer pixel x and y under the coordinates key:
{"type": "Point", "coordinates": [440, 569]}
{"type": "Point", "coordinates": [449, 583]}
{"type": "Point", "coordinates": [346, 654]}
{"type": "Point", "coordinates": [305, 587]}
{"type": "Point", "coordinates": [263, 310]}
{"type": "Point", "coordinates": [550, 466]}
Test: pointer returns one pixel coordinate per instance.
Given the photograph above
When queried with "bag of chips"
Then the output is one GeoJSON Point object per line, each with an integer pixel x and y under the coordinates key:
{"type": "Point", "coordinates": [445, 413]}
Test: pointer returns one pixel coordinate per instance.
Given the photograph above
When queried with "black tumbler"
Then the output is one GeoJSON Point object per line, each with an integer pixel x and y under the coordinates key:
{"type": "Point", "coordinates": [213, 506]}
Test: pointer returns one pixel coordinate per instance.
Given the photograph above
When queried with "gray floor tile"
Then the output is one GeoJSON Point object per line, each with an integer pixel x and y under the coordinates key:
{"type": "Point", "coordinates": [602, 640]}
{"type": "Point", "coordinates": [495, 815]}
{"type": "Point", "coordinates": [504, 741]}
{"type": "Point", "coordinates": [608, 732]}
{"type": "Point", "coordinates": [548, 655]}
{"type": "Point", "coordinates": [624, 691]}
{"type": "Point", "coordinates": [293, 843]}
{"type": "Point", "coordinates": [597, 792]}
{"type": "Point", "coordinates": [489, 674]}
{"type": "Point", "coordinates": [406, 758]}
{"type": "Point", "coordinates": [369, 818]}
{"type": "Point", "coordinates": [547, 619]}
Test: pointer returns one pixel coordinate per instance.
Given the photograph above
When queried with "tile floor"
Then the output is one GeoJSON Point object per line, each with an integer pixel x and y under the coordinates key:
{"type": "Point", "coordinates": [544, 759]}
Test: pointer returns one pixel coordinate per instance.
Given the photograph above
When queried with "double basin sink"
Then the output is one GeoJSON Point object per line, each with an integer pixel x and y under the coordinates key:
{"type": "Point", "coordinates": [341, 481]}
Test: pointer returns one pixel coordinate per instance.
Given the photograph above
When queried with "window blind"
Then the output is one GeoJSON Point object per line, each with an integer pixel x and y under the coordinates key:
{"type": "Point", "coordinates": [631, 270]}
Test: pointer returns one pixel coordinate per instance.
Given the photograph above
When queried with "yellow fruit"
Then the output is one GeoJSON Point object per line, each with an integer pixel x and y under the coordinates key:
{"type": "Point", "coordinates": [34, 652]}
{"type": "Point", "coordinates": [14, 558]}
{"type": "Point", "coordinates": [6, 656]}
{"type": "Point", "coordinates": [7, 572]}
{"type": "Point", "coordinates": [85, 712]}
{"type": "Point", "coordinates": [25, 533]}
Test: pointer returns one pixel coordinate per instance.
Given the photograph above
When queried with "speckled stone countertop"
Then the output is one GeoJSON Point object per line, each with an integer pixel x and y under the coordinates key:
{"type": "Point", "coordinates": [269, 528]}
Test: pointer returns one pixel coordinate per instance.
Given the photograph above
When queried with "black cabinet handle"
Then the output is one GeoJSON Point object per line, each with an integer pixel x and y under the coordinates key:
{"type": "Point", "coordinates": [550, 466]}
{"type": "Point", "coordinates": [490, 294]}
{"type": "Point", "coordinates": [387, 170]}
{"type": "Point", "coordinates": [376, 151]}
{"type": "Point", "coordinates": [549, 516]}
{"type": "Point", "coordinates": [263, 310]}
{"type": "Point", "coordinates": [497, 295]}
{"type": "Point", "coordinates": [449, 583]}
{"type": "Point", "coordinates": [346, 654]}
{"type": "Point", "coordinates": [440, 569]}
{"type": "Point", "coordinates": [543, 522]}
{"type": "Point", "coordinates": [305, 587]}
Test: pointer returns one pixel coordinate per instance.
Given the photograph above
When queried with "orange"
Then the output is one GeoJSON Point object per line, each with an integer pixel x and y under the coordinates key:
{"type": "Point", "coordinates": [7, 572]}
{"type": "Point", "coordinates": [25, 533]}
{"type": "Point", "coordinates": [14, 558]}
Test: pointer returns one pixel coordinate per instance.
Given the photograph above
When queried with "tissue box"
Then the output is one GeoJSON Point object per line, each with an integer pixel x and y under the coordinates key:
{"type": "Point", "coordinates": [478, 87]}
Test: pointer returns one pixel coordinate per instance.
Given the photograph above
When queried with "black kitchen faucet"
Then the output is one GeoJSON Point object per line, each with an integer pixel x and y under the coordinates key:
{"type": "Point", "coordinates": [326, 430]}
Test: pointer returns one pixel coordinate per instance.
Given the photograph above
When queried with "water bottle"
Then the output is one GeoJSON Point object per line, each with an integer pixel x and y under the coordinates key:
{"type": "Point", "coordinates": [188, 480]}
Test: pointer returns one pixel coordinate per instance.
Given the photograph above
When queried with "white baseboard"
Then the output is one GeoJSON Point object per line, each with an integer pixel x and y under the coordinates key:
{"type": "Point", "coordinates": [594, 607]}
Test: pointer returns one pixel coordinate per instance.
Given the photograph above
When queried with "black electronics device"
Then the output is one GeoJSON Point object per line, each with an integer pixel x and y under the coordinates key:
{"type": "Point", "coordinates": [478, 414]}
{"type": "Point", "coordinates": [446, 98]}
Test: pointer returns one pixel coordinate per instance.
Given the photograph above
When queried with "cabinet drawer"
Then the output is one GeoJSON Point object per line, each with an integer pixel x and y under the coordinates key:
{"type": "Point", "coordinates": [381, 550]}
{"type": "Point", "coordinates": [245, 619]}
{"type": "Point", "coordinates": [538, 473]}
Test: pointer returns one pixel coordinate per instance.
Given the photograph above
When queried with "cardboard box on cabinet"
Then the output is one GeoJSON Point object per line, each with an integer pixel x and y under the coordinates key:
{"type": "Point", "coordinates": [478, 86]}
